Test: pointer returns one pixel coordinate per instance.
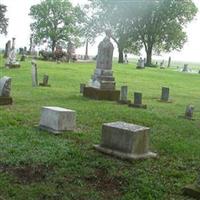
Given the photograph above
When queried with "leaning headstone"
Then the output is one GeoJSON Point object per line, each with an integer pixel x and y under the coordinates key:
{"type": "Point", "coordinates": [165, 95]}
{"type": "Point", "coordinates": [57, 120]}
{"type": "Point", "coordinates": [126, 141]}
{"type": "Point", "coordinates": [11, 61]}
{"type": "Point", "coordinates": [34, 74]}
{"type": "Point", "coordinates": [140, 63]}
{"type": "Point", "coordinates": [5, 90]}
{"type": "Point", "coordinates": [137, 101]}
{"type": "Point", "coordinates": [189, 112]}
{"type": "Point", "coordinates": [185, 68]}
{"type": "Point", "coordinates": [45, 81]}
{"type": "Point", "coordinates": [193, 190]}
{"type": "Point", "coordinates": [124, 95]}
{"type": "Point", "coordinates": [102, 84]}
{"type": "Point", "coordinates": [82, 86]}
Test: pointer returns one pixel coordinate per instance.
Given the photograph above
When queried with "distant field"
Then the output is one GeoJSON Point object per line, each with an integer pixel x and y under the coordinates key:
{"type": "Point", "coordinates": [36, 165]}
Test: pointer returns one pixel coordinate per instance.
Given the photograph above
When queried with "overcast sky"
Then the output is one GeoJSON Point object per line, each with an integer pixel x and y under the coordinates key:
{"type": "Point", "coordinates": [19, 22]}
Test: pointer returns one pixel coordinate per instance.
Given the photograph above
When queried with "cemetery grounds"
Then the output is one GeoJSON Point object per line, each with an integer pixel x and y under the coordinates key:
{"type": "Point", "coordinates": [36, 165]}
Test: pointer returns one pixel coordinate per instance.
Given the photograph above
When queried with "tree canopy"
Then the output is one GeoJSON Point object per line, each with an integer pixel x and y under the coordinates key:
{"type": "Point", "coordinates": [56, 21]}
{"type": "Point", "coordinates": [157, 25]}
{"type": "Point", "coordinates": [3, 19]}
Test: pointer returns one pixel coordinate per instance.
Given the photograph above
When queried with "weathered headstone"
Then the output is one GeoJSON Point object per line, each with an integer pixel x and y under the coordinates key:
{"type": "Point", "coordinates": [57, 120]}
{"type": "Point", "coordinates": [124, 95]}
{"type": "Point", "coordinates": [194, 189]}
{"type": "Point", "coordinates": [185, 68]}
{"type": "Point", "coordinates": [7, 49]}
{"type": "Point", "coordinates": [140, 63]}
{"type": "Point", "coordinates": [102, 84]}
{"type": "Point", "coordinates": [126, 141]}
{"type": "Point", "coordinates": [5, 90]}
{"type": "Point", "coordinates": [126, 58]}
{"type": "Point", "coordinates": [82, 86]}
{"type": "Point", "coordinates": [189, 112]}
{"type": "Point", "coordinates": [138, 101]}
{"type": "Point", "coordinates": [34, 74]}
{"type": "Point", "coordinates": [165, 95]}
{"type": "Point", "coordinates": [11, 61]}
{"type": "Point", "coordinates": [45, 81]}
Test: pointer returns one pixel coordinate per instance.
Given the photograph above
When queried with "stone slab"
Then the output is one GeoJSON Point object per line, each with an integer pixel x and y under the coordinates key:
{"type": "Point", "coordinates": [125, 140]}
{"type": "Point", "coordinates": [192, 191]}
{"type": "Point", "coordinates": [124, 156]}
{"type": "Point", "coordinates": [6, 100]}
{"type": "Point", "coordinates": [57, 120]}
{"type": "Point", "coordinates": [98, 94]}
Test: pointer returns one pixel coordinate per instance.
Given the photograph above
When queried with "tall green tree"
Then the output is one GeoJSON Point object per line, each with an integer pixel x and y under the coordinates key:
{"type": "Point", "coordinates": [56, 21]}
{"type": "Point", "coordinates": [3, 19]}
{"type": "Point", "coordinates": [106, 15]}
{"type": "Point", "coordinates": [156, 25]}
{"type": "Point", "coordinates": [160, 25]}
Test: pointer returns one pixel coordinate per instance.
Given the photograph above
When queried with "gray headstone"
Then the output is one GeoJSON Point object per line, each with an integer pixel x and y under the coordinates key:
{"type": "Point", "coordinates": [189, 111]}
{"type": "Point", "coordinates": [45, 80]}
{"type": "Point", "coordinates": [34, 74]}
{"type": "Point", "coordinates": [124, 93]}
{"type": "Point", "coordinates": [124, 140]}
{"type": "Point", "coordinates": [82, 85]}
{"type": "Point", "coordinates": [185, 68]}
{"type": "Point", "coordinates": [137, 98]}
{"type": "Point", "coordinates": [165, 94]}
{"type": "Point", "coordinates": [140, 63]}
{"type": "Point", "coordinates": [57, 120]}
{"type": "Point", "coordinates": [7, 49]}
{"type": "Point", "coordinates": [5, 86]}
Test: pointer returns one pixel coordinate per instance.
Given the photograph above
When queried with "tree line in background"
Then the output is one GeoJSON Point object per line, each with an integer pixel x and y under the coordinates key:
{"type": "Point", "coordinates": [156, 25]}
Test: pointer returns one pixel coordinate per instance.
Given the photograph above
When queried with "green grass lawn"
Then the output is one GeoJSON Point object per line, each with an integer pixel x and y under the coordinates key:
{"type": "Point", "coordinates": [36, 165]}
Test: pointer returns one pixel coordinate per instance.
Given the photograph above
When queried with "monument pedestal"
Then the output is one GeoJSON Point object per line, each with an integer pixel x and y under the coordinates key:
{"type": "Point", "coordinates": [192, 191]}
{"type": "Point", "coordinates": [6, 100]}
{"type": "Point", "coordinates": [99, 94]}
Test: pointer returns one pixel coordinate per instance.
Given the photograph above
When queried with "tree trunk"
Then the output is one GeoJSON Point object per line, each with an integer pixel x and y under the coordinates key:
{"type": "Point", "coordinates": [53, 46]}
{"type": "Point", "coordinates": [86, 51]}
{"type": "Point", "coordinates": [121, 56]}
{"type": "Point", "coordinates": [149, 57]}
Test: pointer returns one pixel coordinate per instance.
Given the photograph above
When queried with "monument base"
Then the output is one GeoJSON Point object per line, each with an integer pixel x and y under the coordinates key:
{"type": "Point", "coordinates": [124, 156]}
{"type": "Point", "coordinates": [124, 102]}
{"type": "Point", "coordinates": [44, 85]}
{"type": "Point", "coordinates": [192, 191]}
{"type": "Point", "coordinates": [6, 100]}
{"type": "Point", "coordinates": [11, 66]}
{"type": "Point", "coordinates": [98, 94]}
{"type": "Point", "coordinates": [138, 106]}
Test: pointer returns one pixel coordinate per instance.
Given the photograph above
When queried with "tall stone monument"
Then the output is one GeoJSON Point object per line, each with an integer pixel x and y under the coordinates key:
{"type": "Point", "coordinates": [102, 83]}
{"type": "Point", "coordinates": [7, 49]}
{"type": "Point", "coordinates": [5, 88]}
{"type": "Point", "coordinates": [11, 61]}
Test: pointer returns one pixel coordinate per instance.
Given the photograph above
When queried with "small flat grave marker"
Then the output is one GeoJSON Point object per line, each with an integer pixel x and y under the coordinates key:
{"type": "Point", "coordinates": [126, 141]}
